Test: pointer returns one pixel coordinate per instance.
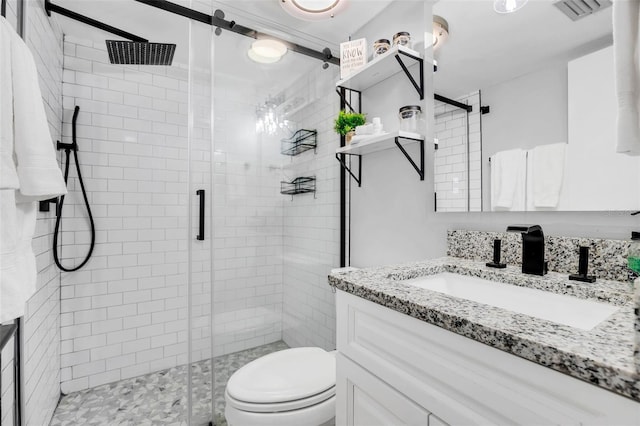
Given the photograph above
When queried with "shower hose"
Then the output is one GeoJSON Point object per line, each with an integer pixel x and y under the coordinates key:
{"type": "Point", "coordinates": [68, 148]}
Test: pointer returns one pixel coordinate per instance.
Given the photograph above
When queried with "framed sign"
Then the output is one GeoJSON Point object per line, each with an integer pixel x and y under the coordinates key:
{"type": "Point", "coordinates": [353, 56]}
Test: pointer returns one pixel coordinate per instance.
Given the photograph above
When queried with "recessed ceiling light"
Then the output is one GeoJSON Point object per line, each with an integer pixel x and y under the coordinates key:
{"type": "Point", "coordinates": [508, 6]}
{"type": "Point", "coordinates": [267, 51]}
{"type": "Point", "coordinates": [312, 10]}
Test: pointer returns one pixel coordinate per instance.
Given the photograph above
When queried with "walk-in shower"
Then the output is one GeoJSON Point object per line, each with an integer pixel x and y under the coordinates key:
{"type": "Point", "coordinates": [201, 261]}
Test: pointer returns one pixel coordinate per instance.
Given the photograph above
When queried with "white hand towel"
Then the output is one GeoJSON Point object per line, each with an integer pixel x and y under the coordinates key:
{"type": "Point", "coordinates": [508, 177]}
{"type": "Point", "coordinates": [33, 162]}
{"type": "Point", "coordinates": [17, 262]}
{"type": "Point", "coordinates": [626, 44]}
{"type": "Point", "coordinates": [38, 171]}
{"type": "Point", "coordinates": [547, 174]}
{"type": "Point", "coordinates": [8, 174]}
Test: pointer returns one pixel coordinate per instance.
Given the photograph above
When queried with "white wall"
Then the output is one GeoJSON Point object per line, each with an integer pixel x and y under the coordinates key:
{"type": "Point", "coordinates": [595, 174]}
{"type": "Point", "coordinates": [40, 331]}
{"type": "Point", "coordinates": [393, 218]}
{"type": "Point", "coordinates": [311, 224]}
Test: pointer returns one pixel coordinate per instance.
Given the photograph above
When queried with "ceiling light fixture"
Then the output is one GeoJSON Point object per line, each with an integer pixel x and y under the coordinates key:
{"type": "Point", "coordinates": [508, 6]}
{"type": "Point", "coordinates": [440, 31]}
{"type": "Point", "coordinates": [313, 10]}
{"type": "Point", "coordinates": [267, 51]}
{"type": "Point", "coordinates": [261, 59]}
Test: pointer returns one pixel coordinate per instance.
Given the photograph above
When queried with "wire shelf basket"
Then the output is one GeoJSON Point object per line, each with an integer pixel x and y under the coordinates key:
{"type": "Point", "coordinates": [301, 141]}
{"type": "Point", "coordinates": [300, 185]}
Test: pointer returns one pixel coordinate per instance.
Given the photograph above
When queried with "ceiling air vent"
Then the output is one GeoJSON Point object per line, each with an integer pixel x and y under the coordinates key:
{"type": "Point", "coordinates": [577, 9]}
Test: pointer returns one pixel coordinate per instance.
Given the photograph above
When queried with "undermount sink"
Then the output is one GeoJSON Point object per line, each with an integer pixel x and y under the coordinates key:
{"type": "Point", "coordinates": [558, 308]}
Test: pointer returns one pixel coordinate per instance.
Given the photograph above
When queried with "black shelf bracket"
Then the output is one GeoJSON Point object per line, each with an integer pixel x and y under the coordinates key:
{"type": "Point", "coordinates": [453, 102]}
{"type": "Point", "coordinates": [358, 177]}
{"type": "Point", "coordinates": [419, 87]}
{"type": "Point", "coordinates": [419, 169]}
{"type": "Point", "coordinates": [341, 159]}
{"type": "Point", "coordinates": [341, 91]}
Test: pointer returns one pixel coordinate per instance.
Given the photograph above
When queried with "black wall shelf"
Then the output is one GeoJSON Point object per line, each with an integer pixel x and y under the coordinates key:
{"type": "Point", "coordinates": [379, 143]}
{"type": "Point", "coordinates": [383, 67]}
{"type": "Point", "coordinates": [301, 141]}
{"type": "Point", "coordinates": [300, 185]}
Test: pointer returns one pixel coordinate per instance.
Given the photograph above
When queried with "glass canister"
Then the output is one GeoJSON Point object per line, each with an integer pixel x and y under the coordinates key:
{"type": "Point", "coordinates": [381, 46]}
{"type": "Point", "coordinates": [402, 38]}
{"type": "Point", "coordinates": [633, 258]}
{"type": "Point", "coordinates": [410, 118]}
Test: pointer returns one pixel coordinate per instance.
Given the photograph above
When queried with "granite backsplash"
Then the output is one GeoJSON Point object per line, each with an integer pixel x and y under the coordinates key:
{"type": "Point", "coordinates": [607, 258]}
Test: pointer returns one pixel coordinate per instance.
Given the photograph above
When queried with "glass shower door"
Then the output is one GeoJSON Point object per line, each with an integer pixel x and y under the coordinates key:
{"type": "Point", "coordinates": [199, 321]}
{"type": "Point", "coordinates": [271, 251]}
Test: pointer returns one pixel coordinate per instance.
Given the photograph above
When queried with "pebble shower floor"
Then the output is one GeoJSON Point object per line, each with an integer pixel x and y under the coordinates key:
{"type": "Point", "coordinates": [158, 398]}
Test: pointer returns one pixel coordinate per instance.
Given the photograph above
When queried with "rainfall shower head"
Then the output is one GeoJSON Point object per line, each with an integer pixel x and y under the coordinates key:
{"type": "Point", "coordinates": [140, 53]}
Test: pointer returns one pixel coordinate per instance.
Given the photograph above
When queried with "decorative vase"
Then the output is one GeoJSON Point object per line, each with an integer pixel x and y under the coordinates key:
{"type": "Point", "coordinates": [348, 136]}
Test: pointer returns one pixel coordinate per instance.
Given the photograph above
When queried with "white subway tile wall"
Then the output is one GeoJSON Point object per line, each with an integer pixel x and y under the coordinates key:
{"type": "Point", "coordinates": [458, 158]}
{"type": "Point", "coordinates": [42, 318]}
{"type": "Point", "coordinates": [41, 322]}
{"type": "Point", "coordinates": [312, 223]}
{"type": "Point", "coordinates": [125, 313]}
{"type": "Point", "coordinates": [247, 220]}
{"type": "Point", "coordinates": [272, 253]}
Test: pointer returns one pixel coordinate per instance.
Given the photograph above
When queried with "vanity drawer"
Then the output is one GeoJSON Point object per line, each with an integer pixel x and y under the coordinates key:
{"type": "Point", "coordinates": [466, 382]}
{"type": "Point", "coordinates": [368, 401]}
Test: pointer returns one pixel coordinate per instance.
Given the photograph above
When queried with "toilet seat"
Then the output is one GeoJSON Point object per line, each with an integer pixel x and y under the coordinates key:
{"type": "Point", "coordinates": [292, 387]}
{"type": "Point", "coordinates": [280, 406]}
{"type": "Point", "coordinates": [282, 381]}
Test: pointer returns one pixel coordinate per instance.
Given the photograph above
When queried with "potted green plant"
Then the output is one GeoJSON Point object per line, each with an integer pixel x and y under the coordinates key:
{"type": "Point", "coordinates": [346, 123]}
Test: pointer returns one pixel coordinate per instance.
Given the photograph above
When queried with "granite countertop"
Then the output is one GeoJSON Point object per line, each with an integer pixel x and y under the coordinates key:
{"type": "Point", "coordinates": [602, 356]}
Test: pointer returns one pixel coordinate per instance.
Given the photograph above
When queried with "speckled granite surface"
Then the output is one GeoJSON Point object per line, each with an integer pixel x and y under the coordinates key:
{"type": "Point", "coordinates": [607, 258]}
{"type": "Point", "coordinates": [603, 356]}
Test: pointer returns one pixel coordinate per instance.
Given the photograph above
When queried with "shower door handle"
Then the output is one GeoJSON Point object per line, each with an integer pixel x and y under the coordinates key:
{"type": "Point", "coordinates": [200, 236]}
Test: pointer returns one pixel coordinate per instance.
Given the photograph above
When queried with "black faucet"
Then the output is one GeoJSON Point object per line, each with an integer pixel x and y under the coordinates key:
{"type": "Point", "coordinates": [532, 248]}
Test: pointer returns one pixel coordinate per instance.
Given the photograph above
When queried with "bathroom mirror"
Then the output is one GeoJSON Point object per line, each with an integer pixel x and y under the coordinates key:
{"type": "Point", "coordinates": [538, 82]}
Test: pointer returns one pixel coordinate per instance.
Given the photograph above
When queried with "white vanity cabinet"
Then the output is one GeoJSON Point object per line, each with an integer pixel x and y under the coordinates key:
{"type": "Point", "coordinates": [393, 369]}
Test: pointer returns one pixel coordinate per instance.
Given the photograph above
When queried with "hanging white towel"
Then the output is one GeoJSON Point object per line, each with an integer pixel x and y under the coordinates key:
{"type": "Point", "coordinates": [508, 176]}
{"type": "Point", "coordinates": [547, 174]}
{"type": "Point", "coordinates": [17, 262]}
{"type": "Point", "coordinates": [626, 44]}
{"type": "Point", "coordinates": [38, 171]}
{"type": "Point", "coordinates": [32, 173]}
{"type": "Point", "coordinates": [8, 174]}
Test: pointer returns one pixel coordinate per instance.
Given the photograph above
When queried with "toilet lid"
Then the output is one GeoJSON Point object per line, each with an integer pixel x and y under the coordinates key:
{"type": "Point", "coordinates": [284, 376]}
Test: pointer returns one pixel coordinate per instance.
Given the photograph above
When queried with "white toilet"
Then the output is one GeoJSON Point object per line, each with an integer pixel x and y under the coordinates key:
{"type": "Point", "coordinates": [293, 387]}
